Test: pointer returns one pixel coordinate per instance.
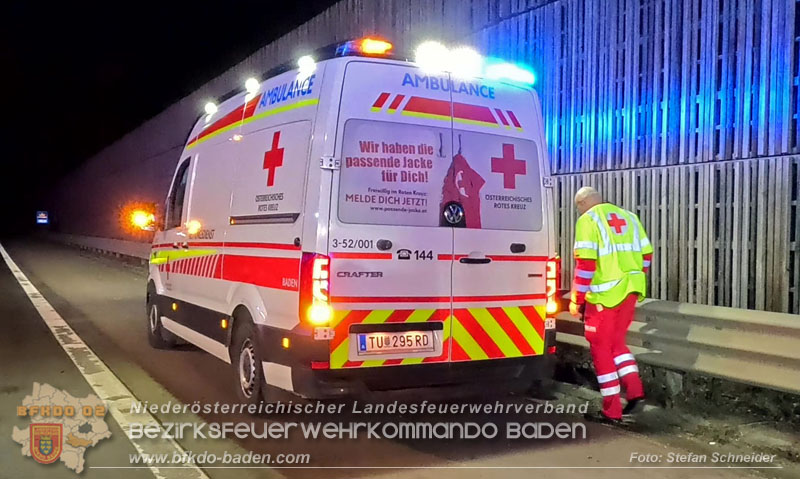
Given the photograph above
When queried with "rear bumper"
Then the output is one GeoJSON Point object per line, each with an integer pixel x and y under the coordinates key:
{"type": "Point", "coordinates": [446, 379]}
{"type": "Point", "coordinates": [449, 379]}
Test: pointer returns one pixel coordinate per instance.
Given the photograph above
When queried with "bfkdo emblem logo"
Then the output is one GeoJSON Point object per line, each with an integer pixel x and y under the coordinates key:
{"type": "Point", "coordinates": [46, 442]}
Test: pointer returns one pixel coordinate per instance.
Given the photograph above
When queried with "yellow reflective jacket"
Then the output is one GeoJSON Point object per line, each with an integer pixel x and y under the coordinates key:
{"type": "Point", "coordinates": [616, 239]}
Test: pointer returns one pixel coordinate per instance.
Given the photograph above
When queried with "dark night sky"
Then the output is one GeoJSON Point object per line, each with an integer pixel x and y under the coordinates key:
{"type": "Point", "coordinates": [74, 79]}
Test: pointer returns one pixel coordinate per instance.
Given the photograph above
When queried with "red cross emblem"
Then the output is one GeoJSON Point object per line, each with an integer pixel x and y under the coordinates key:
{"type": "Point", "coordinates": [273, 158]}
{"type": "Point", "coordinates": [618, 224]}
{"type": "Point", "coordinates": [509, 166]}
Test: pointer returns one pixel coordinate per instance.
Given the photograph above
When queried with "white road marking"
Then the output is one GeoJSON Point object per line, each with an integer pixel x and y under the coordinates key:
{"type": "Point", "coordinates": [105, 384]}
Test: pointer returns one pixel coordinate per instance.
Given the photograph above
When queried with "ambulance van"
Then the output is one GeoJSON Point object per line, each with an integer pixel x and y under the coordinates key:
{"type": "Point", "coordinates": [364, 223]}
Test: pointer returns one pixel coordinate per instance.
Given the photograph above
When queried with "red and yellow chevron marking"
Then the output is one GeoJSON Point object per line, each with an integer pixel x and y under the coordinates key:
{"type": "Point", "coordinates": [434, 109]}
{"type": "Point", "coordinates": [206, 266]}
{"type": "Point", "coordinates": [499, 332]}
{"type": "Point", "coordinates": [469, 334]}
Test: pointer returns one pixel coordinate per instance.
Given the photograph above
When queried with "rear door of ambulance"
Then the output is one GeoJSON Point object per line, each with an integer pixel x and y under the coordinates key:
{"type": "Point", "coordinates": [390, 270]}
{"type": "Point", "coordinates": [501, 246]}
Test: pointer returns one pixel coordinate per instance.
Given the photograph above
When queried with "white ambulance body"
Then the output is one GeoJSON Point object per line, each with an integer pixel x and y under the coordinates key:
{"type": "Point", "coordinates": [362, 226]}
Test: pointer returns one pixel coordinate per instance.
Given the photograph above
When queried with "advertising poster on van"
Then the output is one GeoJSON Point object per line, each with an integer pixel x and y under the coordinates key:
{"type": "Point", "coordinates": [404, 174]}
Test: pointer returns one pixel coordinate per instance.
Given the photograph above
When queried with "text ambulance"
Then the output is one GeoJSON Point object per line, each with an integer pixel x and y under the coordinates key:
{"type": "Point", "coordinates": [363, 223]}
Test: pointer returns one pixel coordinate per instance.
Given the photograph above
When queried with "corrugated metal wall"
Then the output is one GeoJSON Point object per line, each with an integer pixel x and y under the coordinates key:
{"type": "Point", "coordinates": [683, 111]}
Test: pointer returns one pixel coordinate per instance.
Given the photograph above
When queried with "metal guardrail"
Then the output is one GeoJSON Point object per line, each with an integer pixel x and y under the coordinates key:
{"type": "Point", "coordinates": [752, 347]}
{"type": "Point", "coordinates": [134, 249]}
{"type": "Point", "coordinates": [747, 346]}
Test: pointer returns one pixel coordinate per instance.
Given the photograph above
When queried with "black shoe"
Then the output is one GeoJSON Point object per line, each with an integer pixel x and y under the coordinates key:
{"type": "Point", "coordinates": [634, 406]}
{"type": "Point", "coordinates": [601, 418]}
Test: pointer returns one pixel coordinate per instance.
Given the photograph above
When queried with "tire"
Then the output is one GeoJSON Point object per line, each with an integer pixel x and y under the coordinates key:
{"type": "Point", "coordinates": [157, 336]}
{"type": "Point", "coordinates": [248, 373]}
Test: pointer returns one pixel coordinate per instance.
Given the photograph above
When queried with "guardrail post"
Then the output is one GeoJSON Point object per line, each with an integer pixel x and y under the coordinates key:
{"type": "Point", "coordinates": [673, 381]}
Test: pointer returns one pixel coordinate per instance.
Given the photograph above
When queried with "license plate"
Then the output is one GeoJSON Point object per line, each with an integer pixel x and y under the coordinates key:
{"type": "Point", "coordinates": [396, 342]}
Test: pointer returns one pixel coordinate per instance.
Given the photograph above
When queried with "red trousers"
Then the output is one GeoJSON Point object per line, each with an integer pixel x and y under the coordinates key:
{"type": "Point", "coordinates": [605, 329]}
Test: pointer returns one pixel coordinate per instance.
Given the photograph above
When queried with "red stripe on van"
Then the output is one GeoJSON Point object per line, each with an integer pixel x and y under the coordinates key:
{"type": "Point", "coordinates": [516, 258]}
{"type": "Point", "coordinates": [269, 272]}
{"type": "Point", "coordinates": [362, 255]}
{"type": "Point", "coordinates": [381, 100]}
{"type": "Point", "coordinates": [229, 119]}
{"type": "Point", "coordinates": [436, 299]}
{"type": "Point", "coordinates": [396, 102]}
{"type": "Point", "coordinates": [208, 245]}
{"type": "Point", "coordinates": [502, 117]}
{"type": "Point", "coordinates": [250, 107]}
{"type": "Point", "coordinates": [283, 246]}
{"type": "Point", "coordinates": [418, 104]}
{"type": "Point", "coordinates": [390, 299]}
{"type": "Point", "coordinates": [467, 111]}
{"type": "Point", "coordinates": [503, 297]}
{"type": "Point", "coordinates": [513, 119]}
{"type": "Point", "coordinates": [233, 244]}
{"type": "Point", "coordinates": [495, 257]}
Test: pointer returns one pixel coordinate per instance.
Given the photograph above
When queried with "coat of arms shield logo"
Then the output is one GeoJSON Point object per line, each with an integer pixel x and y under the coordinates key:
{"type": "Point", "coordinates": [46, 442]}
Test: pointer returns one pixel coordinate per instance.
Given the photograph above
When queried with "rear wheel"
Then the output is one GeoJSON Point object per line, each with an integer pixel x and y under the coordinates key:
{"type": "Point", "coordinates": [246, 361]}
{"type": "Point", "coordinates": [157, 336]}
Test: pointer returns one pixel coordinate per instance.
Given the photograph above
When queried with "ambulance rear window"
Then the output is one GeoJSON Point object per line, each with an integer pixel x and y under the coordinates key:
{"type": "Point", "coordinates": [406, 175]}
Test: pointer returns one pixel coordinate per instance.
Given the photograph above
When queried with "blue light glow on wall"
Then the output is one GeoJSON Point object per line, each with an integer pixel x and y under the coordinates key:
{"type": "Point", "coordinates": [627, 84]}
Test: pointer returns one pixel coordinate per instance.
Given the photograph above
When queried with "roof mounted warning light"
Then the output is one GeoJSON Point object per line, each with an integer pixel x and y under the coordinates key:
{"type": "Point", "coordinates": [367, 46]}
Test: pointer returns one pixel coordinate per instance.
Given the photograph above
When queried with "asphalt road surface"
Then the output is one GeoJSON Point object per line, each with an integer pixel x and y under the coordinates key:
{"type": "Point", "coordinates": [102, 300]}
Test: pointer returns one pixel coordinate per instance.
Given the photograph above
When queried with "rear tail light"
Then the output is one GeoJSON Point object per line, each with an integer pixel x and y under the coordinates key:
{"type": "Point", "coordinates": [553, 278]}
{"type": "Point", "coordinates": [320, 365]}
{"type": "Point", "coordinates": [315, 306]}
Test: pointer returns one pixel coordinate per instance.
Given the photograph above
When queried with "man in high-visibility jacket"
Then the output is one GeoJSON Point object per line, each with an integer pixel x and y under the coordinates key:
{"type": "Point", "coordinates": [612, 255]}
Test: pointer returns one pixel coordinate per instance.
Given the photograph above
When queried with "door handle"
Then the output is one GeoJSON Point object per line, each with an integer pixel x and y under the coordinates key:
{"type": "Point", "coordinates": [384, 244]}
{"type": "Point", "coordinates": [475, 258]}
{"type": "Point", "coordinates": [517, 248]}
{"type": "Point", "coordinates": [469, 260]}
